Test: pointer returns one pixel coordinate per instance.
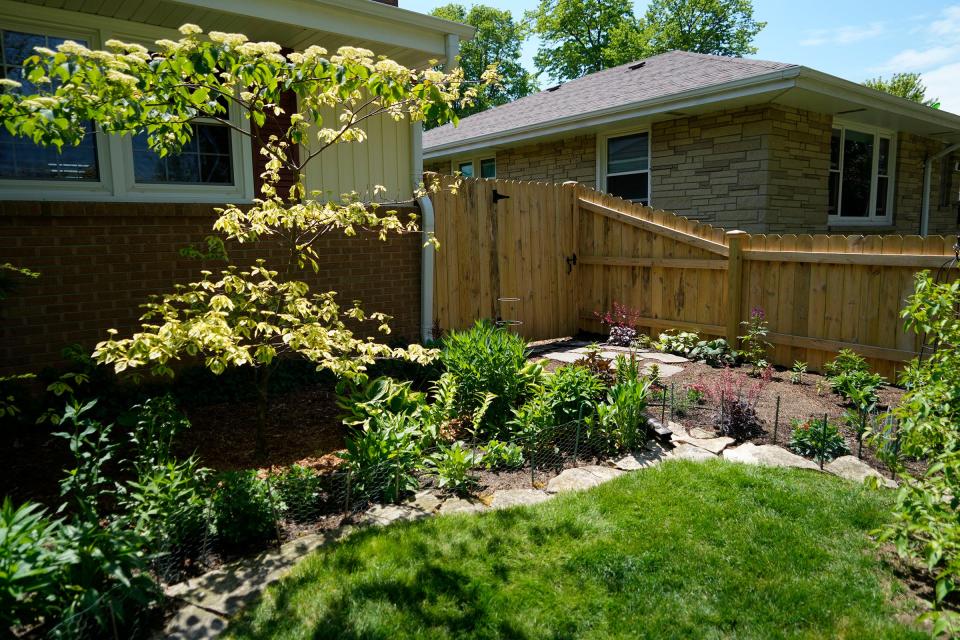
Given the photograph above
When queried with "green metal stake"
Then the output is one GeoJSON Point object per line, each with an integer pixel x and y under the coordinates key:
{"type": "Point", "coordinates": [672, 400]}
{"type": "Point", "coordinates": [776, 420]}
{"type": "Point", "coordinates": [576, 443]}
{"type": "Point", "coordinates": [823, 441]}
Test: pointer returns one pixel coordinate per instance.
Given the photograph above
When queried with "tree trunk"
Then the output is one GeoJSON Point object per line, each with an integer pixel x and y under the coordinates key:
{"type": "Point", "coordinates": [263, 406]}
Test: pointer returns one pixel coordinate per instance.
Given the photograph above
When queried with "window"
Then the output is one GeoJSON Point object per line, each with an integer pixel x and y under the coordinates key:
{"type": "Point", "coordinates": [861, 175]}
{"type": "Point", "coordinates": [488, 168]}
{"type": "Point", "coordinates": [205, 159]}
{"type": "Point", "coordinates": [466, 168]}
{"type": "Point", "coordinates": [20, 158]}
{"type": "Point", "coordinates": [627, 170]}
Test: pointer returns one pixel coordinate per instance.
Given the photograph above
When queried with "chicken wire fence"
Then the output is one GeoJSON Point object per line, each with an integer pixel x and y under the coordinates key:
{"type": "Point", "coordinates": [758, 414]}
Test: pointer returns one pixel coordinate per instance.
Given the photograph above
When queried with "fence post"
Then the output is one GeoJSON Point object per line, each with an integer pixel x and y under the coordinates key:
{"type": "Point", "coordinates": [734, 285]}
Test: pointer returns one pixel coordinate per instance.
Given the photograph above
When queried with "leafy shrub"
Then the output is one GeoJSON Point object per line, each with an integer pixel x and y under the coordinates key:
{"type": "Point", "coordinates": [243, 510]}
{"type": "Point", "coordinates": [502, 455]}
{"type": "Point", "coordinates": [797, 372]}
{"type": "Point", "coordinates": [620, 319]}
{"type": "Point", "coordinates": [716, 353]}
{"type": "Point", "coordinates": [737, 397]}
{"type": "Point", "coordinates": [621, 422]}
{"type": "Point", "coordinates": [571, 391]}
{"type": "Point", "coordinates": [817, 439]}
{"type": "Point", "coordinates": [298, 489]}
{"type": "Point", "coordinates": [488, 360]}
{"type": "Point", "coordinates": [600, 367]}
{"type": "Point", "coordinates": [846, 361]}
{"type": "Point", "coordinates": [925, 526]}
{"type": "Point", "coordinates": [361, 401]}
{"type": "Point", "coordinates": [383, 457]}
{"type": "Point", "coordinates": [30, 565]}
{"type": "Point", "coordinates": [681, 343]}
{"type": "Point", "coordinates": [696, 393]}
{"type": "Point", "coordinates": [859, 385]}
{"type": "Point", "coordinates": [753, 345]}
{"type": "Point", "coordinates": [628, 367]}
{"type": "Point", "coordinates": [451, 465]}
{"type": "Point", "coordinates": [153, 427]}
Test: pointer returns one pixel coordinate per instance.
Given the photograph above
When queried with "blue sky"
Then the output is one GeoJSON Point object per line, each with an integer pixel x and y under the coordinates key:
{"type": "Point", "coordinates": [853, 40]}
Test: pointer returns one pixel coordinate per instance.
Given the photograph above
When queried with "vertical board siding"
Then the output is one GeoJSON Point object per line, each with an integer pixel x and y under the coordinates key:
{"type": "Point", "coordinates": [818, 292]}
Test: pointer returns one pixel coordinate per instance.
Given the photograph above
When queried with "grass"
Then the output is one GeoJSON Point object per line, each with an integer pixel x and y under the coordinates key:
{"type": "Point", "coordinates": [711, 550]}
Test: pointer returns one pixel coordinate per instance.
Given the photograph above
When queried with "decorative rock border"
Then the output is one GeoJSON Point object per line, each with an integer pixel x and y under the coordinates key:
{"type": "Point", "coordinates": [210, 600]}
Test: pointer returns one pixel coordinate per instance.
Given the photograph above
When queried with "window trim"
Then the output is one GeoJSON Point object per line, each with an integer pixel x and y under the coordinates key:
{"type": "Point", "coordinates": [115, 152]}
{"type": "Point", "coordinates": [476, 161]}
{"type": "Point", "coordinates": [871, 220]}
{"type": "Point", "coordinates": [602, 148]}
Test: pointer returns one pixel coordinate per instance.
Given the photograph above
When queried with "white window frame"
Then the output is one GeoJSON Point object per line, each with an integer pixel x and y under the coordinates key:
{"type": "Point", "coordinates": [115, 152]}
{"type": "Point", "coordinates": [602, 148]}
{"type": "Point", "coordinates": [871, 220]}
{"type": "Point", "coordinates": [475, 162]}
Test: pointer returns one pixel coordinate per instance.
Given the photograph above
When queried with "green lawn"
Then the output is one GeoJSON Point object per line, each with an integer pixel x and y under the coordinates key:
{"type": "Point", "coordinates": [688, 550]}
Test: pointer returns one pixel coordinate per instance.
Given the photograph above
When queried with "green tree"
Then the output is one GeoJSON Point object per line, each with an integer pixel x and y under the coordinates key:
{"type": "Point", "coordinates": [719, 27]}
{"type": "Point", "coordinates": [905, 85]}
{"type": "Point", "coordinates": [243, 317]}
{"type": "Point", "coordinates": [497, 41]}
{"type": "Point", "coordinates": [577, 35]}
{"type": "Point", "coordinates": [584, 36]}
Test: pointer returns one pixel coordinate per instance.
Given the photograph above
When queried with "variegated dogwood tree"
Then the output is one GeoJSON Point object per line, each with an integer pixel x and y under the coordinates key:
{"type": "Point", "coordinates": [242, 317]}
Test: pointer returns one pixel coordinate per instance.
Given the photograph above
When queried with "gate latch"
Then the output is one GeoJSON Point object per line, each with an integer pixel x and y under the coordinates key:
{"type": "Point", "coordinates": [497, 196]}
{"type": "Point", "coordinates": [571, 262]}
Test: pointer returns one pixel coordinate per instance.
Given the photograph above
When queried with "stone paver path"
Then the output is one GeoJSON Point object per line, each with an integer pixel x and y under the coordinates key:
{"type": "Point", "coordinates": [666, 362]}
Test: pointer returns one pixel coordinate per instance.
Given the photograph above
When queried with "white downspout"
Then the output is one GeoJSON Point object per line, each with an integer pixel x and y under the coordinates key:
{"type": "Point", "coordinates": [927, 178]}
{"type": "Point", "coordinates": [427, 252]}
{"type": "Point", "coordinates": [451, 51]}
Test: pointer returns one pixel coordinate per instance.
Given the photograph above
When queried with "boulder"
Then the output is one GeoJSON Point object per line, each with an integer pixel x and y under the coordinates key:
{"type": "Point", "coordinates": [852, 468]}
{"type": "Point", "coordinates": [581, 478]}
{"type": "Point", "coordinates": [690, 452]}
{"type": "Point", "coordinates": [713, 445]}
{"type": "Point", "coordinates": [768, 455]}
{"type": "Point", "coordinates": [516, 497]}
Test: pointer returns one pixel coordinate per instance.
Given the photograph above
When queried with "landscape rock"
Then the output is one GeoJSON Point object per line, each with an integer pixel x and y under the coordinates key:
{"type": "Point", "coordinates": [459, 505]}
{"type": "Point", "coordinates": [713, 445]}
{"type": "Point", "coordinates": [852, 468]}
{"type": "Point", "coordinates": [768, 455]}
{"type": "Point", "coordinates": [581, 478]}
{"type": "Point", "coordinates": [384, 514]}
{"type": "Point", "coordinates": [697, 432]}
{"type": "Point", "coordinates": [426, 501]}
{"type": "Point", "coordinates": [639, 460]}
{"type": "Point", "coordinates": [516, 497]}
{"type": "Point", "coordinates": [690, 452]}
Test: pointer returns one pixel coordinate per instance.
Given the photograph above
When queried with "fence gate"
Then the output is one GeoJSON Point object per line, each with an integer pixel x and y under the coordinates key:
{"type": "Point", "coordinates": [506, 239]}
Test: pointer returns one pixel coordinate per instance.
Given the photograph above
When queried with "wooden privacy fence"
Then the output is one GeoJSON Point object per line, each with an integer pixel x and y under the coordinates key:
{"type": "Point", "coordinates": [565, 252]}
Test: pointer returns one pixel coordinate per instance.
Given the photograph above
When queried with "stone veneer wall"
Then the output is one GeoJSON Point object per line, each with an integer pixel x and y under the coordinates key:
{"type": "Point", "coordinates": [557, 161]}
{"type": "Point", "coordinates": [912, 151]}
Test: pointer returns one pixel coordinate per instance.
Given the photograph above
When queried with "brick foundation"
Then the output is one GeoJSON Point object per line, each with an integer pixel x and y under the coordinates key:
{"type": "Point", "coordinates": [100, 261]}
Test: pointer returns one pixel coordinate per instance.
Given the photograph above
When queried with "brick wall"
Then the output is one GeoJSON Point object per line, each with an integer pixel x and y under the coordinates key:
{"type": "Point", "coordinates": [100, 261]}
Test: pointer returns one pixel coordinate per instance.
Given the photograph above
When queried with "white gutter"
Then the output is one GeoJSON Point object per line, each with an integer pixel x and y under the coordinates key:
{"type": "Point", "coordinates": [927, 177]}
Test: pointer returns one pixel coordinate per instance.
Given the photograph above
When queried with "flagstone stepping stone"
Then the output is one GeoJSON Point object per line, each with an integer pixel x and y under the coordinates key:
{"type": "Point", "coordinates": [564, 356]}
{"type": "Point", "coordinates": [713, 445]}
{"type": "Point", "coordinates": [459, 505]}
{"type": "Point", "coordinates": [768, 455]}
{"type": "Point", "coordinates": [666, 358]}
{"type": "Point", "coordinates": [852, 468]}
{"type": "Point", "coordinates": [516, 497]}
{"type": "Point", "coordinates": [580, 478]}
{"type": "Point", "coordinates": [666, 370]}
{"type": "Point", "coordinates": [689, 452]}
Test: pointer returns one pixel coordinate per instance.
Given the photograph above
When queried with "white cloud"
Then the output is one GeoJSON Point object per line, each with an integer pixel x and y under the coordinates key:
{"type": "Point", "coordinates": [843, 35]}
{"type": "Point", "coordinates": [914, 59]}
{"type": "Point", "coordinates": [942, 84]}
{"type": "Point", "coordinates": [948, 26]}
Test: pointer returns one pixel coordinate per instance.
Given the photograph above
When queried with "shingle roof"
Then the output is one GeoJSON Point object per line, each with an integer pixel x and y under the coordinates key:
{"type": "Point", "coordinates": [660, 76]}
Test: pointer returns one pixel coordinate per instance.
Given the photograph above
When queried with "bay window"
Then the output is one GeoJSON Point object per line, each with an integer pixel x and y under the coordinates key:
{"type": "Point", "coordinates": [861, 175]}
{"type": "Point", "coordinates": [625, 169]}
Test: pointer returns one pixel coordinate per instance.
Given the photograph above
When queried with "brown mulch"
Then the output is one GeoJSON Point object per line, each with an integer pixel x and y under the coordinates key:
{"type": "Point", "coordinates": [302, 427]}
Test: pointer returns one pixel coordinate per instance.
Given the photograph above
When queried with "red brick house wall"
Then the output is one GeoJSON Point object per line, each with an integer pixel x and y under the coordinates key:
{"type": "Point", "coordinates": [100, 261]}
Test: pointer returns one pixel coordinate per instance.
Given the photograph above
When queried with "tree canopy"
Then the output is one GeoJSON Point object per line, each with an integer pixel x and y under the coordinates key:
{"type": "Point", "coordinates": [584, 36]}
{"type": "Point", "coordinates": [246, 316]}
{"type": "Point", "coordinates": [498, 40]}
{"type": "Point", "coordinates": [905, 85]}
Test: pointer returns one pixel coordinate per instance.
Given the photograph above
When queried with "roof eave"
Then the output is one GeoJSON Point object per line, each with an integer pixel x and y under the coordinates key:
{"type": "Point", "coordinates": [779, 80]}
